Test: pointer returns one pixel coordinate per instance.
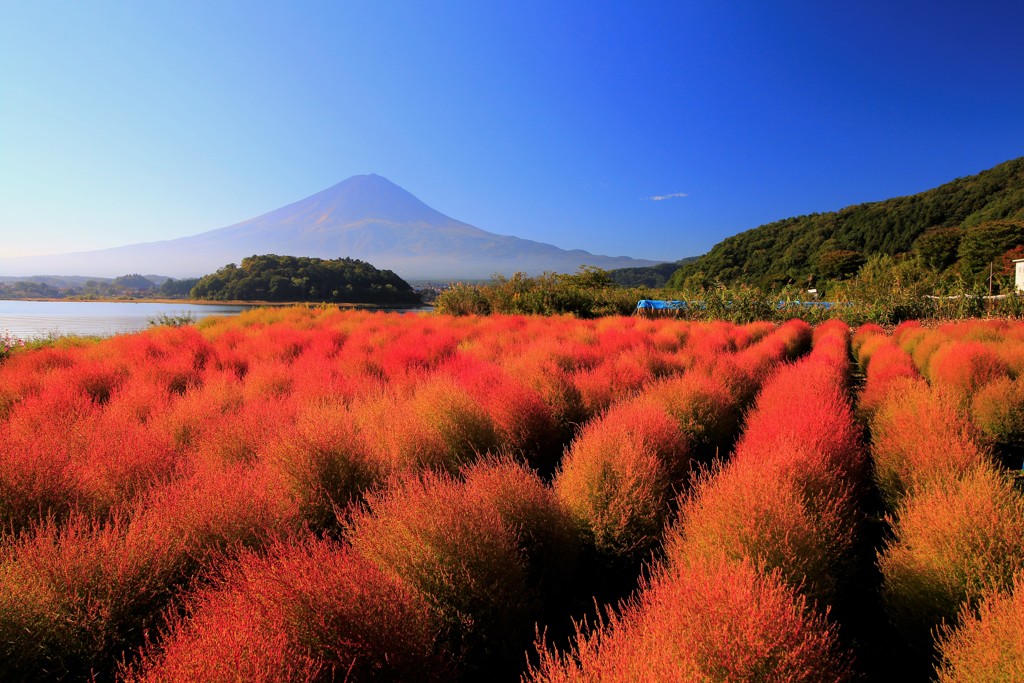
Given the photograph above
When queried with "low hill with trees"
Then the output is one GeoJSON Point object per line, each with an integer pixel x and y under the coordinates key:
{"type": "Point", "coordinates": [297, 278]}
{"type": "Point", "coordinates": [968, 225]}
{"type": "Point", "coordinates": [649, 276]}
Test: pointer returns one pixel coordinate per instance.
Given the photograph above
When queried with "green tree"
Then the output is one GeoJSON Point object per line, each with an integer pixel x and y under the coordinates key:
{"type": "Point", "coordinates": [984, 243]}
{"type": "Point", "coordinates": [938, 247]}
{"type": "Point", "coordinates": [839, 264]}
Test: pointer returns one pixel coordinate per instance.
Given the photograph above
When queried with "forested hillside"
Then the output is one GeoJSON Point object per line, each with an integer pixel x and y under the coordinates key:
{"type": "Point", "coordinates": [969, 221]}
{"type": "Point", "coordinates": [291, 278]}
{"type": "Point", "coordinates": [648, 276]}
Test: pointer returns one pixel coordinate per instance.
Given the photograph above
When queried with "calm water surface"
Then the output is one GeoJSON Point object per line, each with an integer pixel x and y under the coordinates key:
{"type": "Point", "coordinates": [28, 319]}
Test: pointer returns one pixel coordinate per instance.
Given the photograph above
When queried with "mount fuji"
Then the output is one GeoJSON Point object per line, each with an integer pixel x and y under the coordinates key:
{"type": "Point", "coordinates": [366, 217]}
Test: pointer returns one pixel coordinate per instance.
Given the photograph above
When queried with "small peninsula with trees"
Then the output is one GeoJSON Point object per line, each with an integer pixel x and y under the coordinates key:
{"type": "Point", "coordinates": [263, 278]}
{"type": "Point", "coordinates": [298, 278]}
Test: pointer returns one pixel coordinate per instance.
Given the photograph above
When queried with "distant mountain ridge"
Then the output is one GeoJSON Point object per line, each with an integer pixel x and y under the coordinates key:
{"type": "Point", "coordinates": [365, 217]}
{"type": "Point", "coordinates": [795, 249]}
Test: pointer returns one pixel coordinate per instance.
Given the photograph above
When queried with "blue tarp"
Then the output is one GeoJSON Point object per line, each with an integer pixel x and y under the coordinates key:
{"type": "Point", "coordinates": [655, 304]}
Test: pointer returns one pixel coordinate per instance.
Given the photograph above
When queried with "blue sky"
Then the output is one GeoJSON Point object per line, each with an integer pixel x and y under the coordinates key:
{"type": "Point", "coordinates": [555, 121]}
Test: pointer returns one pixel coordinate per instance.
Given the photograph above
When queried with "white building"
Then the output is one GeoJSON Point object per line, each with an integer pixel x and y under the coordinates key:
{"type": "Point", "coordinates": [1018, 273]}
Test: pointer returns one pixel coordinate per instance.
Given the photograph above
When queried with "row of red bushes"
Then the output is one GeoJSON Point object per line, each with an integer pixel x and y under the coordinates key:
{"type": "Point", "coordinates": [957, 523]}
{"type": "Point", "coordinates": [757, 554]}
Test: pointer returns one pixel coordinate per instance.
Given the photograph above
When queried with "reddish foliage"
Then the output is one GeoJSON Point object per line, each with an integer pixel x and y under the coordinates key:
{"type": "Point", "coordinates": [965, 367]}
{"type": "Point", "coordinates": [953, 540]}
{"type": "Point", "coordinates": [997, 410]}
{"type": "Point", "coordinates": [322, 461]}
{"type": "Point", "coordinates": [987, 645]}
{"type": "Point", "coordinates": [702, 403]}
{"type": "Point", "coordinates": [438, 426]}
{"type": "Point", "coordinates": [524, 422]}
{"type": "Point", "coordinates": [789, 498]}
{"type": "Point", "coordinates": [762, 513]}
{"type": "Point", "coordinates": [308, 611]}
{"type": "Point", "coordinates": [803, 419]}
{"type": "Point", "coordinates": [919, 435]}
{"type": "Point", "coordinates": [466, 549]}
{"type": "Point", "coordinates": [888, 366]}
{"type": "Point", "coordinates": [703, 620]}
{"type": "Point", "coordinates": [616, 480]}
{"type": "Point", "coordinates": [73, 596]}
{"type": "Point", "coordinates": [863, 334]}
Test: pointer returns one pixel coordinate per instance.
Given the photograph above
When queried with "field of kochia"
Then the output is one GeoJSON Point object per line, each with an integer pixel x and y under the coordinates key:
{"type": "Point", "coordinates": [315, 495]}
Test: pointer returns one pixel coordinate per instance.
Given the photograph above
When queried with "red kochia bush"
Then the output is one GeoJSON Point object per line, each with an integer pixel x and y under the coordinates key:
{"type": "Point", "coordinates": [466, 548]}
{"type": "Point", "coordinates": [707, 620]}
{"type": "Point", "coordinates": [922, 347]}
{"type": "Point", "coordinates": [863, 334]}
{"type": "Point", "coordinates": [41, 444]}
{"type": "Point", "coordinates": [965, 367]}
{"type": "Point", "coordinates": [616, 480]}
{"type": "Point", "coordinates": [831, 345]}
{"type": "Point", "coordinates": [322, 460]}
{"type": "Point", "coordinates": [953, 540]}
{"type": "Point", "coordinates": [919, 435]}
{"type": "Point", "coordinates": [438, 426]}
{"type": "Point", "coordinates": [889, 365]}
{"type": "Point", "coordinates": [306, 611]}
{"type": "Point", "coordinates": [997, 410]}
{"type": "Point", "coordinates": [524, 422]}
{"type": "Point", "coordinates": [788, 499]}
{"type": "Point", "coordinates": [988, 646]}
{"type": "Point", "coordinates": [803, 420]}
{"type": "Point", "coordinates": [703, 405]}
{"type": "Point", "coordinates": [747, 369]}
{"type": "Point", "coordinates": [763, 513]}
{"type": "Point", "coordinates": [618, 377]}
{"type": "Point", "coordinates": [72, 597]}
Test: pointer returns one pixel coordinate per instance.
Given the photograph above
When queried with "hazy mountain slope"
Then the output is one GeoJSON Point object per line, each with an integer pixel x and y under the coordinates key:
{"type": "Point", "coordinates": [790, 250]}
{"type": "Point", "coordinates": [365, 217]}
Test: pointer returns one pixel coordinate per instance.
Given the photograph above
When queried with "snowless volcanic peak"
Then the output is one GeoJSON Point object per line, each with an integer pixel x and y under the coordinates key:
{"type": "Point", "coordinates": [365, 217]}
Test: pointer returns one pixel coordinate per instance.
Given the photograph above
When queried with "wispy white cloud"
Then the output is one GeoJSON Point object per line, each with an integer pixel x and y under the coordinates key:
{"type": "Point", "coordinates": [663, 197]}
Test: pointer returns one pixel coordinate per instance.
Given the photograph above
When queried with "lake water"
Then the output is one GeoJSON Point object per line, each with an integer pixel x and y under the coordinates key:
{"type": "Point", "coordinates": [28, 319]}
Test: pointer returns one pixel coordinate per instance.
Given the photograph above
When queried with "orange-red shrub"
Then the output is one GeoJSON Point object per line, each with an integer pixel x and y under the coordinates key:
{"type": "Point", "coordinates": [919, 435]}
{"type": "Point", "coordinates": [803, 420]}
{"type": "Point", "coordinates": [831, 345]}
{"type": "Point", "coordinates": [953, 540]}
{"type": "Point", "coordinates": [788, 499]}
{"type": "Point", "coordinates": [525, 424]}
{"type": "Point", "coordinates": [988, 645]}
{"type": "Point", "coordinates": [306, 611]}
{"type": "Point", "coordinates": [616, 479]}
{"type": "Point", "coordinates": [711, 620]}
{"type": "Point", "coordinates": [74, 596]}
{"type": "Point", "coordinates": [923, 347]}
{"type": "Point", "coordinates": [465, 547]}
{"type": "Point", "coordinates": [763, 513]}
{"type": "Point", "coordinates": [40, 444]}
{"type": "Point", "coordinates": [217, 507]}
{"type": "Point", "coordinates": [322, 460]}
{"type": "Point", "coordinates": [438, 426]}
{"type": "Point", "coordinates": [616, 378]}
{"type": "Point", "coordinates": [703, 405]}
{"type": "Point", "coordinates": [863, 334]}
{"type": "Point", "coordinates": [889, 365]}
{"type": "Point", "coordinates": [965, 367]}
{"type": "Point", "coordinates": [997, 410]}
